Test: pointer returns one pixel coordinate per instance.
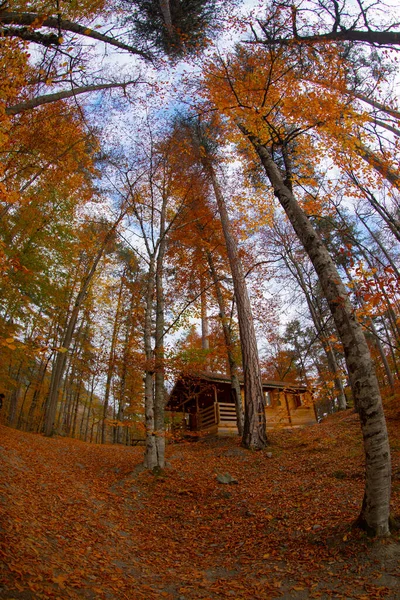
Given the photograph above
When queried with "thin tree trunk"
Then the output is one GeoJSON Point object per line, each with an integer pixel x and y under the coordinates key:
{"type": "Point", "coordinates": [327, 346]}
{"type": "Point", "coordinates": [124, 371]}
{"type": "Point", "coordinates": [56, 96]}
{"type": "Point", "coordinates": [381, 246]}
{"type": "Point", "coordinates": [205, 342]}
{"type": "Point", "coordinates": [76, 408]}
{"type": "Point", "coordinates": [378, 164]}
{"type": "Point", "coordinates": [150, 459]}
{"type": "Point", "coordinates": [60, 360]}
{"type": "Point", "coordinates": [391, 221]}
{"type": "Point", "coordinates": [159, 384]}
{"type": "Point", "coordinates": [38, 386]}
{"type": "Point", "coordinates": [382, 354]}
{"type": "Point", "coordinates": [89, 408]}
{"type": "Point", "coordinates": [111, 359]}
{"type": "Point", "coordinates": [14, 396]}
{"type": "Point", "coordinates": [21, 420]}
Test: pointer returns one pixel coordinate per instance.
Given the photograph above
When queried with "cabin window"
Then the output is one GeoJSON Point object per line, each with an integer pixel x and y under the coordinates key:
{"type": "Point", "coordinates": [268, 400]}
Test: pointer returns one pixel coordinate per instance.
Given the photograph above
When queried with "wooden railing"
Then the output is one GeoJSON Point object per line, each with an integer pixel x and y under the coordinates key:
{"type": "Point", "coordinates": [207, 417]}
{"type": "Point", "coordinates": [227, 413]}
{"type": "Point", "coordinates": [219, 413]}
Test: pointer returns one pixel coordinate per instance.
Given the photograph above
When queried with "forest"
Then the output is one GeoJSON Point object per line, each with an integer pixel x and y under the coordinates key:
{"type": "Point", "coordinates": [198, 187]}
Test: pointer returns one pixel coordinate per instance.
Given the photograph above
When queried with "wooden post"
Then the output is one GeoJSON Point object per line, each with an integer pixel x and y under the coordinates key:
{"type": "Point", "coordinates": [288, 409]}
{"type": "Point", "coordinates": [315, 408]}
{"type": "Point", "coordinates": [216, 406]}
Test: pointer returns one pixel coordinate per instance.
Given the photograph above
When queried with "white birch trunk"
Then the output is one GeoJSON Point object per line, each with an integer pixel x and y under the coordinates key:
{"type": "Point", "coordinates": [374, 516]}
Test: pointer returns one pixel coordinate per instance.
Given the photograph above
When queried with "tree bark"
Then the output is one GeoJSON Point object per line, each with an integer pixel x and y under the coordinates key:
{"type": "Point", "coordinates": [254, 434]}
{"type": "Point", "coordinates": [233, 368]}
{"type": "Point", "coordinates": [166, 13]}
{"type": "Point", "coordinates": [374, 516]}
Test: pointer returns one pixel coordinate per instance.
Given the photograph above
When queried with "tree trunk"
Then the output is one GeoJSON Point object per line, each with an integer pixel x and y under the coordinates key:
{"type": "Point", "coordinates": [150, 459]}
{"type": "Point", "coordinates": [373, 330]}
{"type": "Point", "coordinates": [21, 421]}
{"type": "Point", "coordinates": [25, 20]}
{"type": "Point", "coordinates": [14, 397]}
{"type": "Point", "coordinates": [89, 408]}
{"type": "Point", "coordinates": [76, 408]}
{"type": "Point", "coordinates": [254, 433]}
{"type": "Point", "coordinates": [38, 386]}
{"type": "Point", "coordinates": [382, 354]}
{"type": "Point", "coordinates": [159, 391]}
{"type": "Point", "coordinates": [111, 360]}
{"type": "Point", "coordinates": [330, 355]}
{"type": "Point", "coordinates": [205, 342]}
{"type": "Point", "coordinates": [374, 516]}
{"type": "Point", "coordinates": [166, 13]}
{"type": "Point", "coordinates": [124, 371]}
{"type": "Point", "coordinates": [60, 360]}
{"type": "Point", "coordinates": [233, 368]}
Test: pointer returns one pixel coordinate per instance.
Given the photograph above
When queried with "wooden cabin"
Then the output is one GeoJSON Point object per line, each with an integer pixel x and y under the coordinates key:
{"type": "Point", "coordinates": [204, 403]}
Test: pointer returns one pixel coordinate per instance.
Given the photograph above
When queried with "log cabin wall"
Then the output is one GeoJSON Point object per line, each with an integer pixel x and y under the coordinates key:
{"type": "Point", "coordinates": [209, 408]}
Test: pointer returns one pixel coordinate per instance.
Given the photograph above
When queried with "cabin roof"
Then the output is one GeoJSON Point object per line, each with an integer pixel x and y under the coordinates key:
{"type": "Point", "coordinates": [267, 383]}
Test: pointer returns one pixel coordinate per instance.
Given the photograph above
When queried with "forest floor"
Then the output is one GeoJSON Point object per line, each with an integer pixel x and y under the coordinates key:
{"type": "Point", "coordinates": [85, 521]}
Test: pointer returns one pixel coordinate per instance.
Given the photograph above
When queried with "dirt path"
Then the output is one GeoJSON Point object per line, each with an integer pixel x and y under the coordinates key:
{"type": "Point", "coordinates": [84, 521]}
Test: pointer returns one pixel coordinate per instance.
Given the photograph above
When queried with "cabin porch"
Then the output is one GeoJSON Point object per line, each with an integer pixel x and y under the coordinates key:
{"type": "Point", "coordinates": [205, 405]}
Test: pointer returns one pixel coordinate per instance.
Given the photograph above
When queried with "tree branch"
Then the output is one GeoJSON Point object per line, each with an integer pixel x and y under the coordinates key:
{"type": "Point", "coordinates": [36, 20]}
{"type": "Point", "coordinates": [29, 35]}
{"type": "Point", "coordinates": [62, 95]}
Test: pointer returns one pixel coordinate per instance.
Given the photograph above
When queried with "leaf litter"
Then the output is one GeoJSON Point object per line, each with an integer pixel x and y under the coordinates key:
{"type": "Point", "coordinates": [86, 521]}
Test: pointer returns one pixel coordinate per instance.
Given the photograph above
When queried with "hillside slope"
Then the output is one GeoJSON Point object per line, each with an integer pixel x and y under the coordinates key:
{"type": "Point", "coordinates": [84, 521]}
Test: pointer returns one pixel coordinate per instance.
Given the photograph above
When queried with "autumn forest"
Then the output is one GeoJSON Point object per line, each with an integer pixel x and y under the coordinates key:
{"type": "Point", "coordinates": [197, 194]}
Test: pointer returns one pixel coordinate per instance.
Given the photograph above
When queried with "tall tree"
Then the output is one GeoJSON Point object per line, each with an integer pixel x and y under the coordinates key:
{"type": "Point", "coordinates": [274, 137]}
{"type": "Point", "coordinates": [254, 431]}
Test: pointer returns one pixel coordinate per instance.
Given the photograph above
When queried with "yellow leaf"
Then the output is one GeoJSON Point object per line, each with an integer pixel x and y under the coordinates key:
{"type": "Point", "coordinates": [60, 579]}
{"type": "Point", "coordinates": [9, 340]}
{"type": "Point", "coordinates": [61, 349]}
